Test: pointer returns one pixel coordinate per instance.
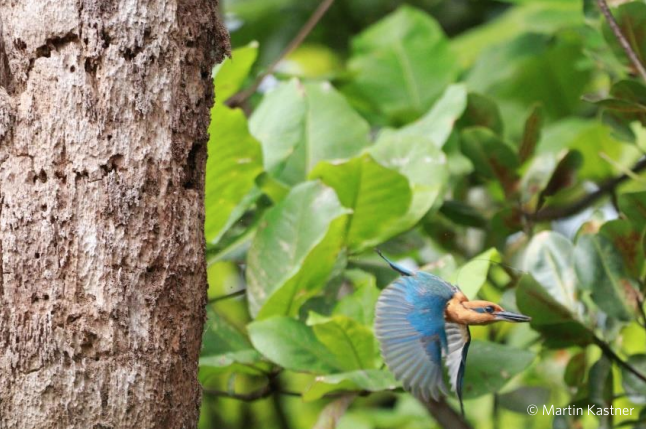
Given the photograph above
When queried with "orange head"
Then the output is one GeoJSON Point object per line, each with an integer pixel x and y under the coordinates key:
{"type": "Point", "coordinates": [460, 310]}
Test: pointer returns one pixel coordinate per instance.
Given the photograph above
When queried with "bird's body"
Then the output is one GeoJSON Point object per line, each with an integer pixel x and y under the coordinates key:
{"type": "Point", "coordinates": [421, 319]}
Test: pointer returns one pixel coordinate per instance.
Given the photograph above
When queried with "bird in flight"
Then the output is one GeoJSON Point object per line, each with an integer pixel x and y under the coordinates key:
{"type": "Point", "coordinates": [421, 319]}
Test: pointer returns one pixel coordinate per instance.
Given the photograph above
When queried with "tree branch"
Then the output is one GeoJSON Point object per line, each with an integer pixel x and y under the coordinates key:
{"type": "Point", "coordinates": [230, 295]}
{"type": "Point", "coordinates": [445, 415]}
{"type": "Point", "coordinates": [612, 22]}
{"type": "Point", "coordinates": [554, 213]}
{"type": "Point", "coordinates": [607, 350]}
{"type": "Point", "coordinates": [240, 97]}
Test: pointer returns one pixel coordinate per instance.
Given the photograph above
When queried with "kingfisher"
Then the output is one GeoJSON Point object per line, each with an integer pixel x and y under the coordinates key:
{"type": "Point", "coordinates": [420, 320]}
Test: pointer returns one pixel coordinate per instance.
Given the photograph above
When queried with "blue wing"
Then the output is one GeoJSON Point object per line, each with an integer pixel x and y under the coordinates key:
{"type": "Point", "coordinates": [409, 324]}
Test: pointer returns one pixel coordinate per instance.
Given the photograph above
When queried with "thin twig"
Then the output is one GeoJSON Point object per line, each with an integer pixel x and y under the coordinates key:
{"type": "Point", "coordinates": [607, 350]}
{"type": "Point", "coordinates": [612, 22]}
{"type": "Point", "coordinates": [231, 295]}
{"type": "Point", "coordinates": [239, 98]}
{"type": "Point", "coordinates": [554, 213]}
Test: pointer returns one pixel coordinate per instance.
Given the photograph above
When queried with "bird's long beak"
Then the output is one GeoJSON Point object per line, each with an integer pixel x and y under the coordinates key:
{"type": "Point", "coordinates": [511, 317]}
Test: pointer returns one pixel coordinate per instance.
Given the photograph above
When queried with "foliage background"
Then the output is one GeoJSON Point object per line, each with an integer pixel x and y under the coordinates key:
{"type": "Point", "coordinates": [448, 133]}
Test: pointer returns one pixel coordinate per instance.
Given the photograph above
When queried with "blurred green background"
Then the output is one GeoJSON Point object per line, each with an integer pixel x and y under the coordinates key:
{"type": "Point", "coordinates": [455, 135]}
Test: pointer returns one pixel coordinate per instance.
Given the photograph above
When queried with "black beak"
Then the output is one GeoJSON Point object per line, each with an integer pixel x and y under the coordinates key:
{"type": "Point", "coordinates": [511, 317]}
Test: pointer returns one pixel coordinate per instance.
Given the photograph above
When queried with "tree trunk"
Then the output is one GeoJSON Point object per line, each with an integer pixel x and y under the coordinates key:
{"type": "Point", "coordinates": [104, 108]}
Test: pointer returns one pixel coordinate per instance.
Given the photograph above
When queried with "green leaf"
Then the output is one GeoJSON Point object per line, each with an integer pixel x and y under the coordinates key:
{"type": "Point", "coordinates": [234, 161]}
{"type": "Point", "coordinates": [360, 304]}
{"type": "Point", "coordinates": [379, 197]}
{"type": "Point", "coordinates": [631, 18]}
{"type": "Point", "coordinates": [292, 345]}
{"type": "Point", "coordinates": [555, 321]}
{"type": "Point", "coordinates": [463, 214]}
{"type": "Point", "coordinates": [492, 158]}
{"type": "Point", "coordinates": [352, 343]}
{"type": "Point", "coordinates": [402, 63]}
{"type": "Point", "coordinates": [633, 205]}
{"type": "Point", "coordinates": [575, 370]}
{"type": "Point", "coordinates": [482, 111]}
{"type": "Point", "coordinates": [223, 344]}
{"type": "Point", "coordinates": [534, 17]}
{"type": "Point", "coordinates": [519, 399]}
{"type": "Point", "coordinates": [533, 68]}
{"type": "Point", "coordinates": [232, 72]}
{"type": "Point", "coordinates": [490, 366]}
{"type": "Point", "coordinates": [472, 275]}
{"type": "Point", "coordinates": [299, 126]}
{"type": "Point", "coordinates": [438, 123]}
{"type": "Point", "coordinates": [629, 242]}
{"type": "Point", "coordinates": [550, 259]}
{"type": "Point", "coordinates": [635, 388]}
{"type": "Point", "coordinates": [531, 134]}
{"type": "Point", "coordinates": [626, 103]}
{"type": "Point", "coordinates": [294, 250]}
{"type": "Point", "coordinates": [422, 164]}
{"type": "Point", "coordinates": [600, 268]}
{"type": "Point", "coordinates": [371, 380]}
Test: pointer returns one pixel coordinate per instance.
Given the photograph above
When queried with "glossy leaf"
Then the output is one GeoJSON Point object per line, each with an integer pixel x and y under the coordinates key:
{"type": "Point", "coordinates": [234, 161]}
{"type": "Point", "coordinates": [557, 323]}
{"type": "Point", "coordinates": [371, 380]}
{"type": "Point", "coordinates": [531, 135]}
{"type": "Point", "coordinates": [298, 126]}
{"type": "Point", "coordinates": [294, 250]}
{"type": "Point", "coordinates": [492, 158]}
{"type": "Point", "coordinates": [601, 270]}
{"type": "Point", "coordinates": [360, 304]}
{"type": "Point", "coordinates": [635, 388]}
{"type": "Point", "coordinates": [633, 205]}
{"type": "Point", "coordinates": [351, 342]}
{"type": "Point", "coordinates": [292, 345]}
{"type": "Point", "coordinates": [438, 123]}
{"type": "Point", "coordinates": [631, 18]}
{"type": "Point", "coordinates": [490, 366]}
{"type": "Point", "coordinates": [482, 111]}
{"type": "Point", "coordinates": [232, 72]}
{"type": "Point", "coordinates": [472, 275]}
{"type": "Point", "coordinates": [550, 259]}
{"type": "Point", "coordinates": [378, 197]}
{"type": "Point", "coordinates": [225, 345]}
{"type": "Point", "coordinates": [629, 242]}
{"type": "Point", "coordinates": [402, 63]}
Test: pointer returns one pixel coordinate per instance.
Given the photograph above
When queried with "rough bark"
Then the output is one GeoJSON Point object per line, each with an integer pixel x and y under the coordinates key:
{"type": "Point", "coordinates": [104, 108]}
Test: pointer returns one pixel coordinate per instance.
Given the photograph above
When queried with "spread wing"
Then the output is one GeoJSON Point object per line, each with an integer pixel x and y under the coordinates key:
{"type": "Point", "coordinates": [410, 327]}
{"type": "Point", "coordinates": [458, 338]}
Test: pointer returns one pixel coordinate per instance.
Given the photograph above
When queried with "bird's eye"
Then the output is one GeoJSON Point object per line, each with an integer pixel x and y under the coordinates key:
{"type": "Point", "coordinates": [489, 309]}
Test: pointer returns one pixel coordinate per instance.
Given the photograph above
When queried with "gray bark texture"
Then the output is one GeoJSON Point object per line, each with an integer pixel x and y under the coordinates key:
{"type": "Point", "coordinates": [104, 108]}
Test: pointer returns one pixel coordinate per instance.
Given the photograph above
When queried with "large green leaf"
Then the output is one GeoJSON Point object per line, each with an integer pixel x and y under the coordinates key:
{"type": "Point", "coordinates": [633, 205]}
{"type": "Point", "coordinates": [234, 161]}
{"type": "Point", "coordinates": [533, 17]}
{"type": "Point", "coordinates": [592, 139]}
{"type": "Point", "coordinates": [533, 68]}
{"type": "Point", "coordinates": [556, 322]}
{"type": "Point", "coordinates": [629, 242]}
{"type": "Point", "coordinates": [360, 304]}
{"type": "Point", "coordinates": [351, 342]}
{"type": "Point", "coordinates": [223, 344]}
{"type": "Point", "coordinates": [378, 196]}
{"type": "Point", "coordinates": [371, 380]}
{"type": "Point", "coordinates": [635, 387]}
{"type": "Point", "coordinates": [600, 268]}
{"type": "Point", "coordinates": [300, 125]}
{"type": "Point", "coordinates": [438, 123]}
{"type": "Point", "coordinates": [425, 167]}
{"type": "Point", "coordinates": [292, 345]}
{"type": "Point", "coordinates": [492, 158]}
{"type": "Point", "coordinates": [631, 18]}
{"type": "Point", "coordinates": [490, 366]}
{"type": "Point", "coordinates": [294, 250]}
{"type": "Point", "coordinates": [471, 276]}
{"type": "Point", "coordinates": [550, 260]}
{"type": "Point", "coordinates": [232, 72]}
{"type": "Point", "coordinates": [402, 63]}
